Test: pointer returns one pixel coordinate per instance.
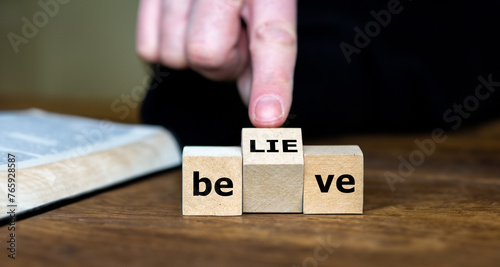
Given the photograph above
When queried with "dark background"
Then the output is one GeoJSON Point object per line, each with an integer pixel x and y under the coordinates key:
{"type": "Point", "coordinates": [426, 59]}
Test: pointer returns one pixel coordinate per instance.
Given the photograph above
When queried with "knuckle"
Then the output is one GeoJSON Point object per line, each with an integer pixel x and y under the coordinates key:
{"type": "Point", "coordinates": [276, 32]}
{"type": "Point", "coordinates": [231, 3]}
{"type": "Point", "coordinates": [173, 60]}
{"type": "Point", "coordinates": [147, 54]}
{"type": "Point", "coordinates": [204, 57]}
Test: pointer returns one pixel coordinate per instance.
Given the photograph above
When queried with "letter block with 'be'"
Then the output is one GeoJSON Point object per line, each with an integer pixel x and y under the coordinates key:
{"type": "Point", "coordinates": [211, 181]}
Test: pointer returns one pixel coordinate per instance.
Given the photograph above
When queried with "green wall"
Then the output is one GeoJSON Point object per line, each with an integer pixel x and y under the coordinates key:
{"type": "Point", "coordinates": [84, 50]}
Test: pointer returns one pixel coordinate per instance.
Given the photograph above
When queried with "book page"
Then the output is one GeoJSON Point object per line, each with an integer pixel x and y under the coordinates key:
{"type": "Point", "coordinates": [37, 137]}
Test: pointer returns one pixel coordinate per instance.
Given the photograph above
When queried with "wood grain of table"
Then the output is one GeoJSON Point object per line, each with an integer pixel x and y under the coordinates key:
{"type": "Point", "coordinates": [446, 213]}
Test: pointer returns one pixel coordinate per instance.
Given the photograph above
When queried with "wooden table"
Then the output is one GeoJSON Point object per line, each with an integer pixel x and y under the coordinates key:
{"type": "Point", "coordinates": [446, 213]}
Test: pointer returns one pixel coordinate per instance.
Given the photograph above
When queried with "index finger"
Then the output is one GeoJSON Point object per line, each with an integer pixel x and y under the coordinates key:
{"type": "Point", "coordinates": [273, 49]}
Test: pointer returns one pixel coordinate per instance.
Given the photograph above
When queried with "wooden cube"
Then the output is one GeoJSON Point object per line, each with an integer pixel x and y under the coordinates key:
{"type": "Point", "coordinates": [212, 181]}
{"type": "Point", "coordinates": [333, 180]}
{"type": "Point", "coordinates": [273, 170]}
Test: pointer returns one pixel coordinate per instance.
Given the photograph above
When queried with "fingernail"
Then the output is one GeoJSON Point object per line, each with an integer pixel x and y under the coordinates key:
{"type": "Point", "coordinates": [268, 109]}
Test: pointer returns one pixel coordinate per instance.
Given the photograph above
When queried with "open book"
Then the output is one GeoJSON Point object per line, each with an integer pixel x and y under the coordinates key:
{"type": "Point", "coordinates": [46, 157]}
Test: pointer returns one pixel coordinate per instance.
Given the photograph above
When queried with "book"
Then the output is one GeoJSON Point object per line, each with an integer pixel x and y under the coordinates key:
{"type": "Point", "coordinates": [47, 157]}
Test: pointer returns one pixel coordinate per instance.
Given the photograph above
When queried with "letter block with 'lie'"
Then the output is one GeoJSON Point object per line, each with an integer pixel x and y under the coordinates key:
{"type": "Point", "coordinates": [273, 169]}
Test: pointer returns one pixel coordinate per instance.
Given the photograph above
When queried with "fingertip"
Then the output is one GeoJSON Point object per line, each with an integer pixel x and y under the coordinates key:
{"type": "Point", "coordinates": [268, 112]}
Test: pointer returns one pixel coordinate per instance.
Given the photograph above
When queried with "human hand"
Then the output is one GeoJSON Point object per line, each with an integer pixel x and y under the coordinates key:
{"type": "Point", "coordinates": [208, 37]}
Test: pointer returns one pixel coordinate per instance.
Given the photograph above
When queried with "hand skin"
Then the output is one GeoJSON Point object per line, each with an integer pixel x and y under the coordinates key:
{"type": "Point", "coordinates": [208, 37]}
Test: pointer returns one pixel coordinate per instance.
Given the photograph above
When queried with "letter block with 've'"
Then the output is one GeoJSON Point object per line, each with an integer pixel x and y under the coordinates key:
{"type": "Point", "coordinates": [333, 180]}
{"type": "Point", "coordinates": [273, 169]}
{"type": "Point", "coordinates": [212, 181]}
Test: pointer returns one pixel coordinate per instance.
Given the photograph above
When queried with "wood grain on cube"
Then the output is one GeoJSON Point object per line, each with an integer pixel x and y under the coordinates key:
{"type": "Point", "coordinates": [212, 181]}
{"type": "Point", "coordinates": [273, 169]}
{"type": "Point", "coordinates": [333, 180]}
